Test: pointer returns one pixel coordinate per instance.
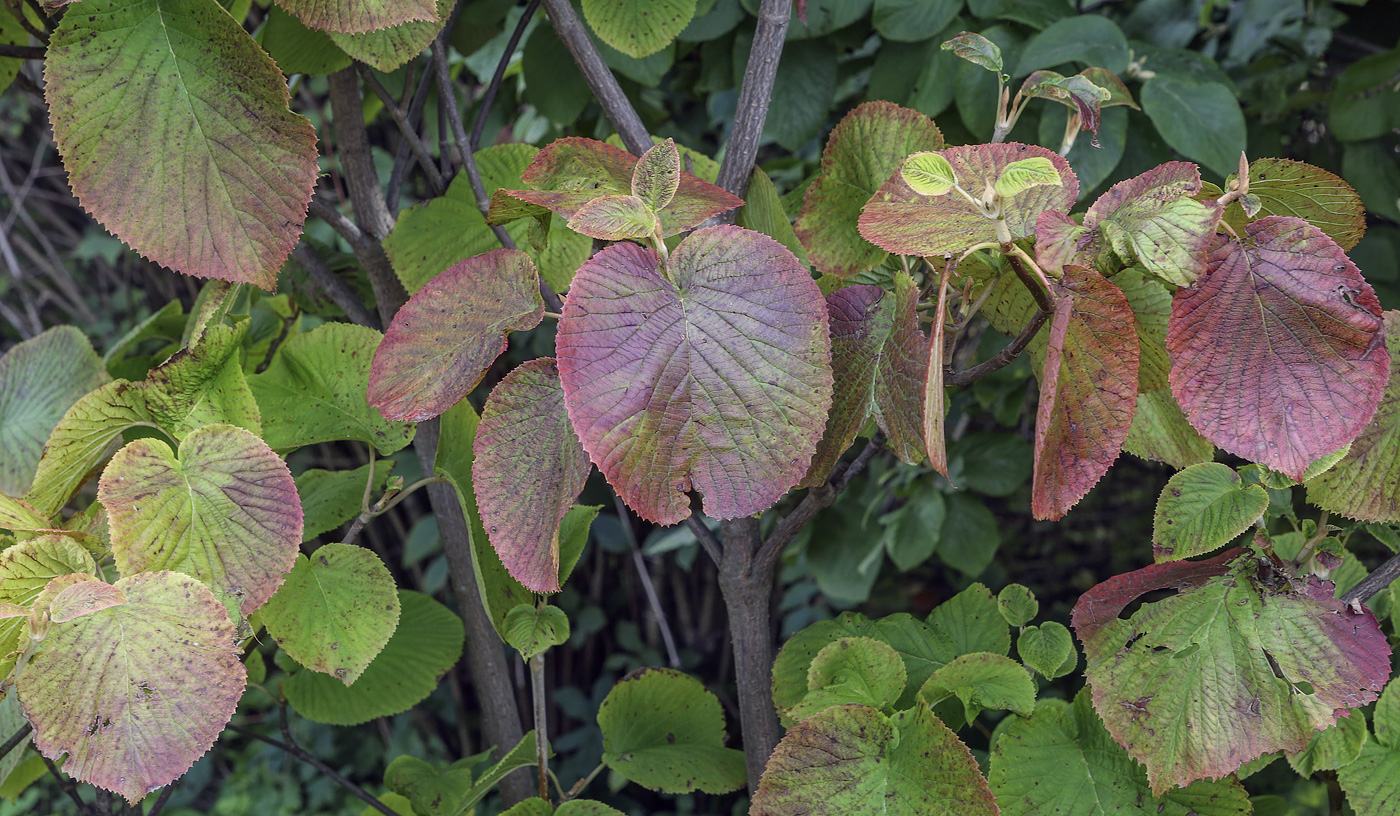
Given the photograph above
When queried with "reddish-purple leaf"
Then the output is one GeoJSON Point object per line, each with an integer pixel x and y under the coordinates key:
{"type": "Point", "coordinates": [174, 129]}
{"type": "Point", "coordinates": [1242, 661]}
{"type": "Point", "coordinates": [900, 220]}
{"type": "Point", "coordinates": [712, 375]}
{"type": "Point", "coordinates": [1078, 93]}
{"type": "Point", "coordinates": [1365, 485]}
{"type": "Point", "coordinates": [864, 150]}
{"type": "Point", "coordinates": [1060, 241]}
{"type": "Point", "coordinates": [569, 173]}
{"type": "Point", "coordinates": [1277, 354]}
{"type": "Point", "coordinates": [877, 362]}
{"type": "Point", "coordinates": [134, 693]}
{"type": "Point", "coordinates": [358, 16]}
{"type": "Point", "coordinates": [224, 509]}
{"type": "Point", "coordinates": [441, 342]}
{"type": "Point", "coordinates": [1118, 93]}
{"type": "Point", "coordinates": [1154, 220]}
{"type": "Point", "coordinates": [84, 598]}
{"type": "Point", "coordinates": [528, 469]}
{"type": "Point", "coordinates": [1088, 390]}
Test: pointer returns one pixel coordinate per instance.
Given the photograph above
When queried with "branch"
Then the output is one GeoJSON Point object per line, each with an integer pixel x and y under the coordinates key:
{"type": "Point", "coordinates": [704, 536]}
{"type": "Point", "coordinates": [454, 116]}
{"type": "Point", "coordinates": [1002, 358]}
{"type": "Point", "coordinates": [296, 751]}
{"type": "Point", "coordinates": [752, 111]}
{"type": "Point", "coordinates": [162, 799]}
{"type": "Point", "coordinates": [817, 499]}
{"type": "Point", "coordinates": [26, 52]}
{"type": "Point", "coordinates": [1029, 279]}
{"type": "Point", "coordinates": [402, 156]}
{"type": "Point", "coordinates": [15, 739]}
{"type": "Point", "coordinates": [425, 160]}
{"type": "Point", "coordinates": [648, 587]}
{"type": "Point", "coordinates": [489, 97]}
{"type": "Point", "coordinates": [333, 286]}
{"type": "Point", "coordinates": [1372, 584]}
{"type": "Point", "coordinates": [599, 77]}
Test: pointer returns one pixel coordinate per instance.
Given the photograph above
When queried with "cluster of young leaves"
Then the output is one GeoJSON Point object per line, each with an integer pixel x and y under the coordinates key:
{"type": "Point", "coordinates": [123, 623]}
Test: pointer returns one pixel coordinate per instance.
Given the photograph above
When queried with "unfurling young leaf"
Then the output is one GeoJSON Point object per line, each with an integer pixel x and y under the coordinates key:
{"type": "Point", "coordinates": [976, 49]}
{"type": "Point", "coordinates": [615, 218]}
{"type": "Point", "coordinates": [928, 174]}
{"type": "Point", "coordinates": [533, 630]}
{"type": "Point", "coordinates": [1036, 171]}
{"type": "Point", "coordinates": [657, 175]}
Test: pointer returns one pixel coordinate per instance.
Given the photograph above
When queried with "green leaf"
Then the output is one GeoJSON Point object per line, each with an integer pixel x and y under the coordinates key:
{"type": "Point", "coordinates": [11, 716]}
{"type": "Point", "coordinates": [1251, 661]}
{"type": "Point", "coordinates": [224, 509]}
{"type": "Point", "coordinates": [203, 384]}
{"type": "Point", "coordinates": [1365, 484]}
{"type": "Point", "coordinates": [11, 33]}
{"type": "Point", "coordinates": [573, 537]}
{"type": "Point", "coordinates": [298, 49]}
{"type": "Point", "coordinates": [1017, 604]}
{"type": "Point", "coordinates": [335, 611]}
{"type": "Point", "coordinates": [1202, 509]}
{"type": "Point", "coordinates": [638, 28]}
{"type": "Point", "coordinates": [1286, 187]}
{"type": "Point", "coordinates": [314, 391]}
{"type": "Point", "coordinates": [427, 642]}
{"type": "Point", "coordinates": [971, 622]}
{"type": "Point", "coordinates": [853, 761]}
{"type": "Point", "coordinates": [912, 533]}
{"type": "Point", "coordinates": [913, 20]}
{"type": "Point", "coordinates": [763, 212]}
{"type": "Point", "coordinates": [331, 498]}
{"type": "Point", "coordinates": [858, 670]}
{"type": "Point", "coordinates": [432, 792]}
{"type": "Point", "coordinates": [1377, 178]}
{"type": "Point", "coordinates": [1334, 747]}
{"type": "Point", "coordinates": [1160, 433]}
{"type": "Point", "coordinates": [863, 151]}
{"type": "Point", "coordinates": [25, 570]}
{"type": "Point", "coordinates": [533, 630]}
{"type": "Point", "coordinates": [1372, 782]}
{"type": "Point", "coordinates": [362, 15]}
{"type": "Point", "coordinates": [665, 731]}
{"type": "Point", "coordinates": [657, 175]}
{"type": "Point", "coordinates": [929, 174]}
{"type": "Point", "coordinates": [1364, 98]}
{"type": "Point", "coordinates": [40, 379]}
{"type": "Point", "coordinates": [523, 755]}
{"type": "Point", "coordinates": [1046, 648]}
{"type": "Point", "coordinates": [992, 463]}
{"type": "Point", "coordinates": [1153, 220]}
{"type": "Point", "coordinates": [1202, 121]}
{"type": "Point", "coordinates": [615, 218]}
{"type": "Point", "coordinates": [108, 721]}
{"type": "Point", "coordinates": [732, 312]}
{"type": "Point", "coordinates": [1061, 760]}
{"type": "Point", "coordinates": [803, 93]}
{"type": "Point", "coordinates": [1036, 171]}
{"type": "Point", "coordinates": [442, 341]}
{"type": "Point", "coordinates": [1152, 309]}
{"type": "Point", "coordinates": [390, 48]}
{"type": "Point", "coordinates": [553, 83]}
{"type": "Point", "coordinates": [982, 680]}
{"type": "Point", "coordinates": [205, 170]}
{"type": "Point", "coordinates": [529, 468]}
{"type": "Point", "coordinates": [1087, 38]}
{"type": "Point", "coordinates": [976, 49]}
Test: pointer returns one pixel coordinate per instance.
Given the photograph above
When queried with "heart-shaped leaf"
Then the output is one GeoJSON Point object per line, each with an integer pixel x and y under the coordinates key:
{"type": "Point", "coordinates": [863, 151]}
{"type": "Point", "coordinates": [1201, 509]}
{"type": "Point", "coordinates": [169, 680]}
{"type": "Point", "coordinates": [40, 379]}
{"type": "Point", "coordinates": [1046, 648]}
{"type": "Point", "coordinates": [335, 611]}
{"type": "Point", "coordinates": [224, 510]}
{"type": "Point", "coordinates": [1365, 484]}
{"type": "Point", "coordinates": [900, 220]}
{"type": "Point", "coordinates": [533, 630]}
{"type": "Point", "coordinates": [205, 170]}
{"type": "Point", "coordinates": [571, 172]}
{"type": "Point", "coordinates": [1088, 391]}
{"type": "Point", "coordinates": [1277, 353]}
{"type": "Point", "coordinates": [358, 16]}
{"type": "Point", "coordinates": [859, 670]}
{"type": "Point", "coordinates": [713, 375]}
{"type": "Point", "coordinates": [1240, 662]}
{"type": "Point", "coordinates": [528, 469]}
{"type": "Point", "coordinates": [443, 340]}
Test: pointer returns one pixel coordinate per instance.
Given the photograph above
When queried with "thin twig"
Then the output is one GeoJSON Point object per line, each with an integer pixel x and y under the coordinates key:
{"type": "Point", "coordinates": [599, 77]}
{"type": "Point", "coordinates": [68, 785]}
{"type": "Point", "coordinates": [704, 535]}
{"type": "Point", "coordinates": [26, 52]}
{"type": "Point", "coordinates": [489, 97]}
{"type": "Point", "coordinates": [540, 702]}
{"type": "Point", "coordinates": [296, 751]}
{"type": "Point", "coordinates": [338, 221]}
{"type": "Point", "coordinates": [30, 27]}
{"type": "Point", "coordinates": [816, 500]}
{"type": "Point", "coordinates": [436, 184]}
{"type": "Point", "coordinates": [1372, 584]}
{"type": "Point", "coordinates": [335, 288]}
{"type": "Point", "coordinates": [162, 799]}
{"type": "Point", "coordinates": [402, 156]}
{"type": "Point", "coordinates": [648, 586]}
{"type": "Point", "coordinates": [15, 739]}
{"type": "Point", "coordinates": [754, 94]}
{"type": "Point", "coordinates": [1003, 358]}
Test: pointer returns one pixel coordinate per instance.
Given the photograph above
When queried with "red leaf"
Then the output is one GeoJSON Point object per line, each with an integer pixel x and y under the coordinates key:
{"type": "Point", "coordinates": [1277, 353]}
{"type": "Point", "coordinates": [441, 342]}
{"type": "Point", "coordinates": [1088, 391]}
{"type": "Point", "coordinates": [528, 470]}
{"type": "Point", "coordinates": [713, 374]}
